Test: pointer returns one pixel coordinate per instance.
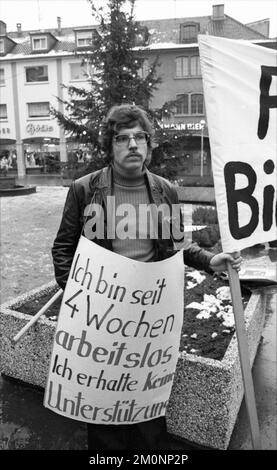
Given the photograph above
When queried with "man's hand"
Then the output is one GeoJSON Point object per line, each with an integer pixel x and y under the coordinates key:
{"type": "Point", "coordinates": [219, 262]}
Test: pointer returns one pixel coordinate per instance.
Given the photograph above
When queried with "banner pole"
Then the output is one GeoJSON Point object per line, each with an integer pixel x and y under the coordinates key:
{"type": "Point", "coordinates": [244, 357]}
{"type": "Point", "coordinates": [35, 318]}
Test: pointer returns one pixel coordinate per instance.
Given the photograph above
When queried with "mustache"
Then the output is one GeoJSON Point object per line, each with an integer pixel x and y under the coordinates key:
{"type": "Point", "coordinates": [132, 154]}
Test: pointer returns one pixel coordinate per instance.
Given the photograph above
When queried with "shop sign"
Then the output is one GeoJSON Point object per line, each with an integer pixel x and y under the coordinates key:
{"type": "Point", "coordinates": [5, 130]}
{"type": "Point", "coordinates": [182, 126]}
{"type": "Point", "coordinates": [38, 128]}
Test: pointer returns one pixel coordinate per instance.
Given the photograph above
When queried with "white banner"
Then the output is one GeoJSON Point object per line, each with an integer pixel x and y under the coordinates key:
{"type": "Point", "coordinates": [240, 88]}
{"type": "Point", "coordinates": [117, 338]}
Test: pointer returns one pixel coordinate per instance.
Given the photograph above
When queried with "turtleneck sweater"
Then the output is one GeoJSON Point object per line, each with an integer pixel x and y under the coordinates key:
{"type": "Point", "coordinates": [132, 192]}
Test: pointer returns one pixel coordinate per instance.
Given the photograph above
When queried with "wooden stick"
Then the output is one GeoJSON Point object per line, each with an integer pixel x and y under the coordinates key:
{"type": "Point", "coordinates": [36, 317]}
{"type": "Point", "coordinates": [244, 357]}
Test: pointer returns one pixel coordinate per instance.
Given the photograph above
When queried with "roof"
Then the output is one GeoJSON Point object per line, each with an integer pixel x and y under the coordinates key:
{"type": "Point", "coordinates": [168, 30]}
{"type": "Point", "coordinates": [163, 34]}
{"type": "Point", "coordinates": [24, 48]}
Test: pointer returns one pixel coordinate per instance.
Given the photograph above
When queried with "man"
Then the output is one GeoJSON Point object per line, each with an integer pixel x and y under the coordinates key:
{"type": "Point", "coordinates": [127, 137]}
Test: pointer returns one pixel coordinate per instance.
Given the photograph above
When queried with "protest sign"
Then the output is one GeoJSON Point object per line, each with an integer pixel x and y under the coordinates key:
{"type": "Point", "coordinates": [240, 87]}
{"type": "Point", "coordinates": [117, 339]}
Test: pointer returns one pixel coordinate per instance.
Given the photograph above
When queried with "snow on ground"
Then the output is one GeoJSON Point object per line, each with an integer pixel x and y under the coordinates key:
{"type": "Point", "coordinates": [28, 227]}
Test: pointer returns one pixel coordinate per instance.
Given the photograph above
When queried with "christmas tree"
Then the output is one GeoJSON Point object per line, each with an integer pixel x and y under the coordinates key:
{"type": "Point", "coordinates": [114, 63]}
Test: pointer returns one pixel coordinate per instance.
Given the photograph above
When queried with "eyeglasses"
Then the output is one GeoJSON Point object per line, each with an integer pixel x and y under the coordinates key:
{"type": "Point", "coordinates": [123, 140]}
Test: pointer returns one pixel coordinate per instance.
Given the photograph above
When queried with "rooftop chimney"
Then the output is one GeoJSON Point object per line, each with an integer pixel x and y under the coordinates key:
{"type": "Point", "coordinates": [3, 27]}
{"type": "Point", "coordinates": [218, 12]}
{"type": "Point", "coordinates": [59, 24]}
{"type": "Point", "coordinates": [18, 27]}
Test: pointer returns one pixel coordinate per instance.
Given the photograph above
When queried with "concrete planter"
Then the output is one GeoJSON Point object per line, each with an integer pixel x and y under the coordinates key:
{"type": "Point", "coordinates": [29, 359]}
{"type": "Point", "coordinates": [206, 394]}
{"type": "Point", "coordinates": [34, 170]}
{"type": "Point", "coordinates": [196, 194]}
{"type": "Point", "coordinates": [7, 182]}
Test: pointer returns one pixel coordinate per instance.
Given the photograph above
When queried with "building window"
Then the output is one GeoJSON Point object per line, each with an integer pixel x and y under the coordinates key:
{"type": "Point", "coordinates": [144, 69]}
{"type": "Point", "coordinates": [38, 109]}
{"type": "Point", "coordinates": [141, 36]}
{"type": "Point", "coordinates": [190, 104]}
{"type": "Point", "coordinates": [197, 104]}
{"type": "Point", "coordinates": [2, 76]}
{"type": "Point", "coordinates": [37, 74]}
{"type": "Point", "coordinates": [182, 67]}
{"type": "Point", "coordinates": [187, 66]}
{"type": "Point", "coordinates": [84, 38]}
{"type": "Point", "coordinates": [81, 71]}
{"type": "Point", "coordinates": [76, 72]}
{"type": "Point", "coordinates": [195, 65]}
{"type": "Point", "coordinates": [39, 43]}
{"type": "Point", "coordinates": [182, 105]}
{"type": "Point", "coordinates": [188, 32]}
{"type": "Point", "coordinates": [2, 46]}
{"type": "Point", "coordinates": [3, 111]}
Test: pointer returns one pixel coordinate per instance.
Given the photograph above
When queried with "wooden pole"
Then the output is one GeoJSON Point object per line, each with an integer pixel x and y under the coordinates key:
{"type": "Point", "coordinates": [244, 356]}
{"type": "Point", "coordinates": [36, 317]}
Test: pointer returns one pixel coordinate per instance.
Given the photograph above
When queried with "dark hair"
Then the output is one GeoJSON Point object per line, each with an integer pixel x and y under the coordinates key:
{"type": "Point", "coordinates": [124, 115]}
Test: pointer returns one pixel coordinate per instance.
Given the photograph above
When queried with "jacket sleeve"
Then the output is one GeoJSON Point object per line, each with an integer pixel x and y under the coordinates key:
{"type": "Point", "coordinates": [67, 237]}
{"type": "Point", "coordinates": [194, 256]}
{"type": "Point", "coordinates": [198, 258]}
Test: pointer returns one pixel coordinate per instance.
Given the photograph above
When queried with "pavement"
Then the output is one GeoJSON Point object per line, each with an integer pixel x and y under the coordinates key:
{"type": "Point", "coordinates": [265, 386]}
{"type": "Point", "coordinates": [26, 239]}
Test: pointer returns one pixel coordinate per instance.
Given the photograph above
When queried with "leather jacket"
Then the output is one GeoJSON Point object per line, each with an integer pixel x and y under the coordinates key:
{"type": "Point", "coordinates": [96, 187]}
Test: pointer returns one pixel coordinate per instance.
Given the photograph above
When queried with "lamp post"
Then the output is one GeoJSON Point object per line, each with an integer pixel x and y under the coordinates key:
{"type": "Point", "coordinates": [203, 123]}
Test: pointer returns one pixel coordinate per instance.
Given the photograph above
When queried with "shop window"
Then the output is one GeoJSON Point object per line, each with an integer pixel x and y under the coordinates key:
{"type": "Point", "coordinates": [189, 32]}
{"type": "Point", "coordinates": [195, 65]}
{"type": "Point", "coordinates": [37, 74]}
{"type": "Point", "coordinates": [197, 104]}
{"type": "Point", "coordinates": [182, 67]}
{"type": "Point", "coordinates": [2, 76]}
{"type": "Point", "coordinates": [182, 104]}
{"type": "Point", "coordinates": [3, 111]}
{"type": "Point", "coordinates": [2, 46]}
{"type": "Point", "coordinates": [38, 109]}
{"type": "Point", "coordinates": [39, 43]}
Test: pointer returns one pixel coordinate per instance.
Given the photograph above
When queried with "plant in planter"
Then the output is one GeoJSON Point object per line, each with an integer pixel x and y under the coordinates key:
{"type": "Point", "coordinates": [209, 235]}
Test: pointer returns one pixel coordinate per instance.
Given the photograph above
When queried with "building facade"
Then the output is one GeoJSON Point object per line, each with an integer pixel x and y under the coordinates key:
{"type": "Point", "coordinates": [35, 64]}
{"type": "Point", "coordinates": [174, 41]}
{"type": "Point", "coordinates": [33, 67]}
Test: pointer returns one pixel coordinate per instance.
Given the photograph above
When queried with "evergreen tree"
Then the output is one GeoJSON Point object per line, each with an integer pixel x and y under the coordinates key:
{"type": "Point", "coordinates": [115, 78]}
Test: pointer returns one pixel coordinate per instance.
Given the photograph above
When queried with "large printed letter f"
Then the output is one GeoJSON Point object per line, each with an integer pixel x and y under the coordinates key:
{"type": "Point", "coordinates": [266, 101]}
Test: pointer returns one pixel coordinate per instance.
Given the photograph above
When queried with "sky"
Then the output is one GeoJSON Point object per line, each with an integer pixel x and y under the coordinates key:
{"type": "Point", "coordinates": [39, 14]}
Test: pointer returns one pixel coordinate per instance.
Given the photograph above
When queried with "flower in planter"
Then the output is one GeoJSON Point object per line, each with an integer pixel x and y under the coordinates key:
{"type": "Point", "coordinates": [208, 317]}
{"type": "Point", "coordinates": [195, 277]}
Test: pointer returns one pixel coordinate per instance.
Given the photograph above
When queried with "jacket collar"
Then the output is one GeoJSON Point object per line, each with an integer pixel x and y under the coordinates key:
{"type": "Point", "coordinates": [104, 183]}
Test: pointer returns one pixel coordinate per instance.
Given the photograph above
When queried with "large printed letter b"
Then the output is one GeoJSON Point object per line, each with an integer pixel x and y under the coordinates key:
{"type": "Point", "coordinates": [244, 195]}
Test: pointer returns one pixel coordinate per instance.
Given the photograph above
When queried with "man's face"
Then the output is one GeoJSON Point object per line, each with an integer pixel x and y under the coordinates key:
{"type": "Point", "coordinates": [130, 154]}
